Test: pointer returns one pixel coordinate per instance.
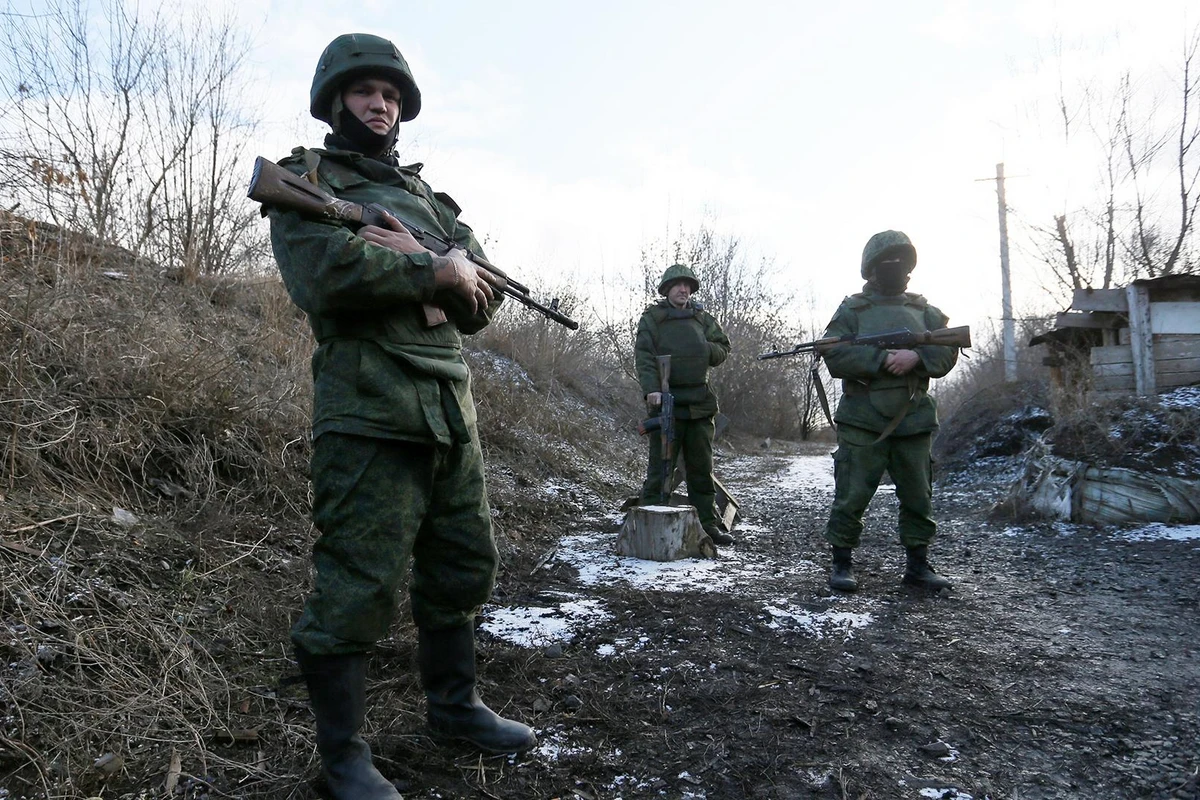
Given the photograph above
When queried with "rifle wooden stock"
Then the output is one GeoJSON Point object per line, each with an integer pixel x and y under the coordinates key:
{"type": "Point", "coordinates": [898, 339]}
{"type": "Point", "coordinates": [272, 185]}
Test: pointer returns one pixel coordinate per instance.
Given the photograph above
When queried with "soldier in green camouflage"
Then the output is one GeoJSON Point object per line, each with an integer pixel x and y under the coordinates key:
{"type": "Point", "coordinates": [886, 418]}
{"type": "Point", "coordinates": [397, 469]}
{"type": "Point", "coordinates": [680, 327]}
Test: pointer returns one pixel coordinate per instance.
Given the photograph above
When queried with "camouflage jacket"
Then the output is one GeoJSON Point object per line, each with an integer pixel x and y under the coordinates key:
{"type": "Point", "coordinates": [694, 340]}
{"type": "Point", "coordinates": [871, 396]}
{"type": "Point", "coordinates": [378, 370]}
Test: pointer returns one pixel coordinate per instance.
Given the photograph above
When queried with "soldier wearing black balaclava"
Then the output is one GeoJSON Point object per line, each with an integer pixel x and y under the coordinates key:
{"type": "Point", "coordinates": [399, 495]}
{"type": "Point", "coordinates": [886, 417]}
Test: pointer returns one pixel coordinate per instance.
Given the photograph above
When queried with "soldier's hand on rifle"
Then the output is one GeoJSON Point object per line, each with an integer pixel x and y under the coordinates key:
{"type": "Point", "coordinates": [394, 237]}
{"type": "Point", "coordinates": [901, 362]}
{"type": "Point", "coordinates": [654, 399]}
{"type": "Point", "coordinates": [455, 272]}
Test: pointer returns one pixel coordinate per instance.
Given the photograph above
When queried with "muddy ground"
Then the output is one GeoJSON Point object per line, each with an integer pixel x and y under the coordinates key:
{"type": "Point", "coordinates": [1063, 665]}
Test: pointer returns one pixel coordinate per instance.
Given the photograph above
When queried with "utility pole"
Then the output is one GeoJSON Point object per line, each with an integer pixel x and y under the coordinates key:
{"type": "Point", "coordinates": [1010, 339]}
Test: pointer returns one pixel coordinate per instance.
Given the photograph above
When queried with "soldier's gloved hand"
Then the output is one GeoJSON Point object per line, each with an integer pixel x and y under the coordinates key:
{"type": "Point", "coordinates": [456, 273]}
{"type": "Point", "coordinates": [901, 362]}
{"type": "Point", "coordinates": [394, 237]}
{"type": "Point", "coordinates": [654, 399]}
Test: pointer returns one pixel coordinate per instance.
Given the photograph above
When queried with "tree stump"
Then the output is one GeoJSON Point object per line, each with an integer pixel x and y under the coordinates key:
{"type": "Point", "coordinates": [664, 533]}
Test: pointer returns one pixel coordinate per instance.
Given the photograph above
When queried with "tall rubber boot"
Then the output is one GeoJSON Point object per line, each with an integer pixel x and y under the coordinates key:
{"type": "Point", "coordinates": [337, 691]}
{"type": "Point", "coordinates": [920, 573]}
{"type": "Point", "coordinates": [446, 659]}
{"type": "Point", "coordinates": [841, 576]}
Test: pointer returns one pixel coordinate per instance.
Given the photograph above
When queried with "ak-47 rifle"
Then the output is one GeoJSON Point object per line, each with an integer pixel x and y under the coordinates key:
{"type": "Point", "coordinates": [272, 185]}
{"type": "Point", "coordinates": [664, 422]}
{"type": "Point", "coordinates": [902, 339]}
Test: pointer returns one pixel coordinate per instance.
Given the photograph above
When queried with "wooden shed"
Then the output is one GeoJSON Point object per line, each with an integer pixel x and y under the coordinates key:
{"type": "Point", "coordinates": [1143, 338]}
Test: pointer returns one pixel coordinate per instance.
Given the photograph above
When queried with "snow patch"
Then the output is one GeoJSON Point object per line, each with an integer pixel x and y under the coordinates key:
{"type": "Point", "coordinates": [1158, 530]}
{"type": "Point", "coordinates": [532, 626]}
{"type": "Point", "coordinates": [816, 623]}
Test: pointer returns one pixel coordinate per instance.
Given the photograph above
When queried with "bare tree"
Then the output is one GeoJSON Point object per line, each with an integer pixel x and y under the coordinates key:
{"type": "Point", "coordinates": [129, 126]}
{"type": "Point", "coordinates": [1143, 223]}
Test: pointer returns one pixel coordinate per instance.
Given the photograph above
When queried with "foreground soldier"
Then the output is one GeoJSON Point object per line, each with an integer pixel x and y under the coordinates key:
{"type": "Point", "coordinates": [679, 327]}
{"type": "Point", "coordinates": [397, 470]}
{"type": "Point", "coordinates": [886, 418]}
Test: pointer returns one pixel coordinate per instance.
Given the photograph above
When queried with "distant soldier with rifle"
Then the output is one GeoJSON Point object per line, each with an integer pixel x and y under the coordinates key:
{"type": "Point", "coordinates": [678, 332]}
{"type": "Point", "coordinates": [886, 418]}
{"type": "Point", "coordinates": [397, 469]}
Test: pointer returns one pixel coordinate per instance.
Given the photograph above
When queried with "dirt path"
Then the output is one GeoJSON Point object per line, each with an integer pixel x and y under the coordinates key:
{"type": "Point", "coordinates": [1064, 664]}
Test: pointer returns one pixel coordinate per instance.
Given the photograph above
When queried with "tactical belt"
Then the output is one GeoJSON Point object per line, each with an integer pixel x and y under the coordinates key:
{"type": "Point", "coordinates": [326, 328]}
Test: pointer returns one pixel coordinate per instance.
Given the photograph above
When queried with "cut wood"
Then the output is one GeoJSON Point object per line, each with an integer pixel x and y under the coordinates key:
{"type": "Point", "coordinates": [664, 533]}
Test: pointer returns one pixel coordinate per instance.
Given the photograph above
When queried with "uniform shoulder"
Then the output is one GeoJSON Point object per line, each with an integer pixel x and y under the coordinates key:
{"type": "Point", "coordinates": [917, 300]}
{"type": "Point", "coordinates": [856, 301]}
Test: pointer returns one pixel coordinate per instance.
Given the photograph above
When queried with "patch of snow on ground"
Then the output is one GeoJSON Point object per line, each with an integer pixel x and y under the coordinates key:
{"type": "Point", "coordinates": [594, 556]}
{"type": "Point", "coordinates": [531, 626]}
{"type": "Point", "coordinates": [1183, 397]}
{"type": "Point", "coordinates": [949, 793]}
{"type": "Point", "coordinates": [817, 623]}
{"type": "Point", "coordinates": [1159, 530]}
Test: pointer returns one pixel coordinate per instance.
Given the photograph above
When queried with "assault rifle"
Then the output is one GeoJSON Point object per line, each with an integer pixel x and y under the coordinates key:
{"type": "Point", "coordinates": [665, 423]}
{"type": "Point", "coordinates": [902, 339]}
{"type": "Point", "coordinates": [272, 185]}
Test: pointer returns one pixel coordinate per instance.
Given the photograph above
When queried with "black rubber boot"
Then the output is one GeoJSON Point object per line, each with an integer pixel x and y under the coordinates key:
{"type": "Point", "coordinates": [920, 573]}
{"type": "Point", "coordinates": [337, 690]}
{"type": "Point", "coordinates": [446, 659]}
{"type": "Point", "coordinates": [719, 536]}
{"type": "Point", "coordinates": [841, 576]}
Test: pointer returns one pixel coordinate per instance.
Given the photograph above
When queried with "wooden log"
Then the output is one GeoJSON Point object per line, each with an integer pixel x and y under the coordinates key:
{"type": "Point", "coordinates": [664, 533]}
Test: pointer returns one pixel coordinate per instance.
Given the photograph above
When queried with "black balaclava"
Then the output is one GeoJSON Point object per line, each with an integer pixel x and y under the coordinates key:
{"type": "Point", "coordinates": [890, 275]}
{"type": "Point", "coordinates": [351, 133]}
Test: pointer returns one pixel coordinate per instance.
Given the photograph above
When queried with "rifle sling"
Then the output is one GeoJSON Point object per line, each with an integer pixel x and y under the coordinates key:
{"type": "Point", "coordinates": [913, 386]}
{"type": "Point", "coordinates": [820, 386]}
{"type": "Point", "coordinates": [896, 420]}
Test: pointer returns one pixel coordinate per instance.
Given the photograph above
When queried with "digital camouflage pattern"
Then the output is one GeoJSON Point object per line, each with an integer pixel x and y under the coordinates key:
{"type": "Point", "coordinates": [694, 441]}
{"type": "Point", "coordinates": [887, 243]}
{"type": "Point", "coordinates": [397, 470]}
{"type": "Point", "coordinates": [872, 398]}
{"type": "Point", "coordinates": [695, 341]}
{"type": "Point", "coordinates": [858, 465]}
{"type": "Point", "coordinates": [378, 370]}
{"type": "Point", "coordinates": [370, 499]}
{"type": "Point", "coordinates": [674, 273]}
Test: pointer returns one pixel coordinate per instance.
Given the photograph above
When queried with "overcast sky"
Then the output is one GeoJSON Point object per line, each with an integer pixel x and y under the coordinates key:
{"type": "Point", "coordinates": [574, 134]}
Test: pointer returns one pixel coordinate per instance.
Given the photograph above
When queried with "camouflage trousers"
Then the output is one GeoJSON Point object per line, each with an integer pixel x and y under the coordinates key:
{"type": "Point", "coordinates": [858, 466]}
{"type": "Point", "coordinates": [694, 439]}
{"type": "Point", "coordinates": [380, 504]}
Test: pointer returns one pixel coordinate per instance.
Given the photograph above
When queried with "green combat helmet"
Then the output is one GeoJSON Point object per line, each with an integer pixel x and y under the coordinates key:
{"type": "Point", "coordinates": [354, 54]}
{"type": "Point", "coordinates": [888, 243]}
{"type": "Point", "coordinates": [674, 273]}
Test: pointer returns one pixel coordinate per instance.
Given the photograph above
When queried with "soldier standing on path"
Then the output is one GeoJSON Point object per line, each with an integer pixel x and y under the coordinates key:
{"type": "Point", "coordinates": [397, 470]}
{"type": "Point", "coordinates": [886, 418]}
{"type": "Point", "coordinates": [680, 327]}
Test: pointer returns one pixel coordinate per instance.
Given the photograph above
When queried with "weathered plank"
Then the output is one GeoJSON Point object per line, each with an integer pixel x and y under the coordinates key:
{"type": "Point", "coordinates": [1091, 319]}
{"type": "Point", "coordinates": [1100, 300]}
{"type": "Point", "coordinates": [1175, 318]}
{"type": "Point", "coordinates": [1140, 339]}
